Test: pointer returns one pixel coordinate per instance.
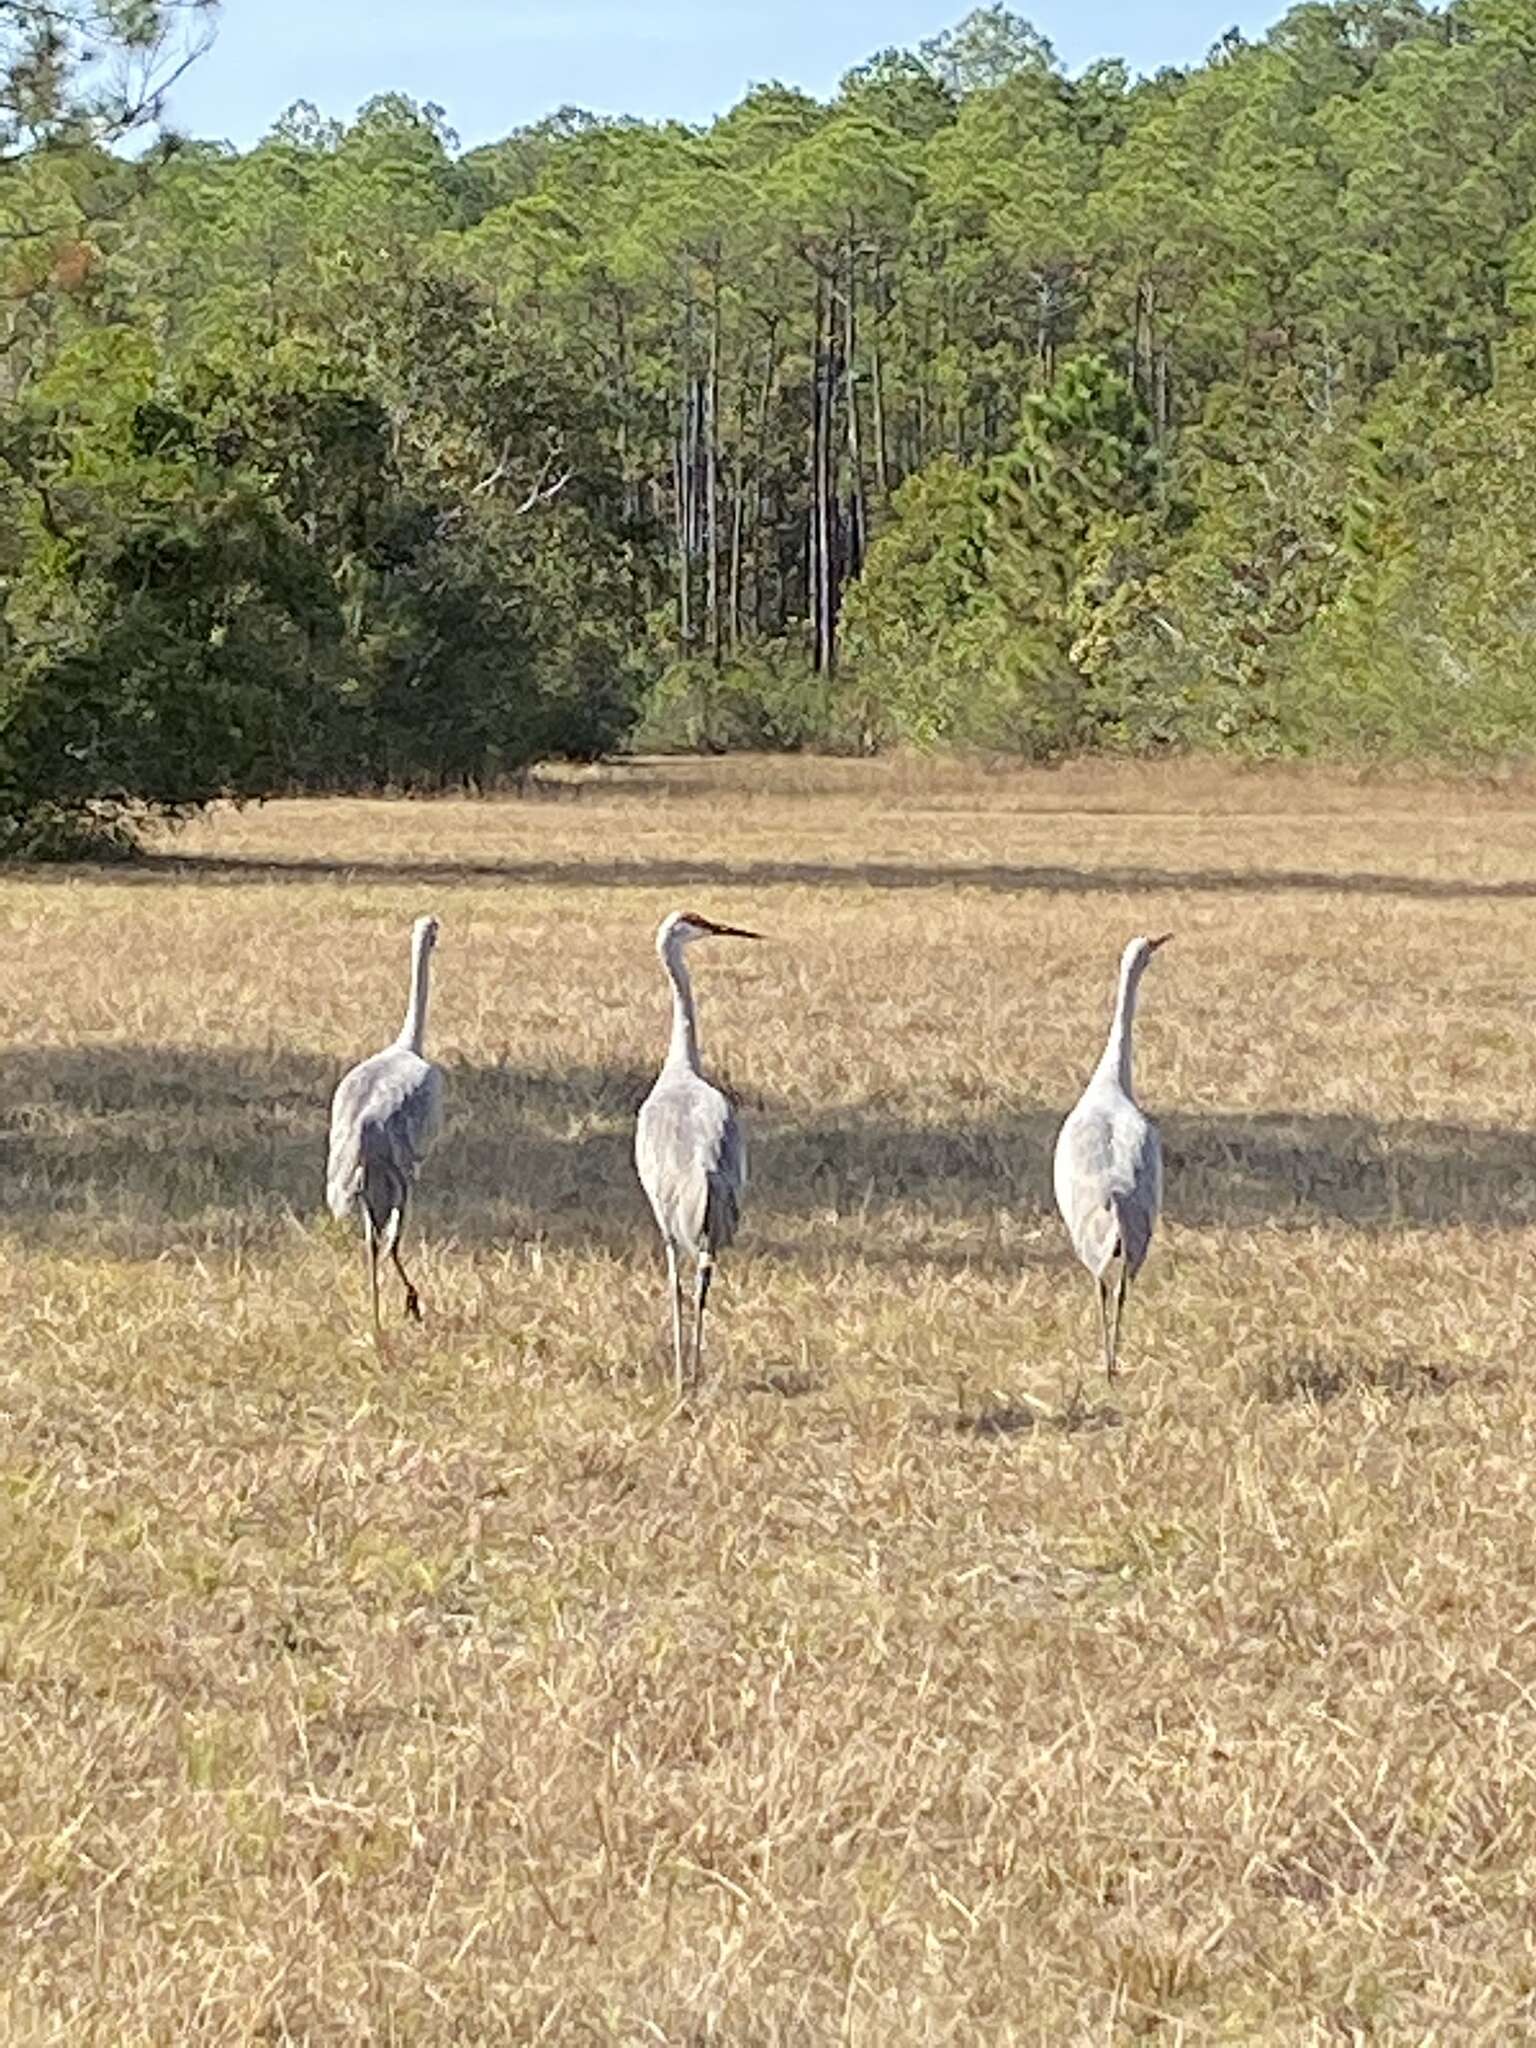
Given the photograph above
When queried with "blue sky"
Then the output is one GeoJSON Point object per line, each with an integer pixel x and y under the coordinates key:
{"type": "Point", "coordinates": [494, 64]}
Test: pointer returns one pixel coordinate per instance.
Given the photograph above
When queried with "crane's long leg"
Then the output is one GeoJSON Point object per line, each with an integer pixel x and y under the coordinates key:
{"type": "Point", "coordinates": [1114, 1334]}
{"type": "Point", "coordinates": [412, 1298]}
{"type": "Point", "coordinates": [1109, 1342]}
{"type": "Point", "coordinates": [371, 1259]}
{"type": "Point", "coordinates": [675, 1285]}
{"type": "Point", "coordinates": [705, 1274]}
{"type": "Point", "coordinates": [394, 1231]}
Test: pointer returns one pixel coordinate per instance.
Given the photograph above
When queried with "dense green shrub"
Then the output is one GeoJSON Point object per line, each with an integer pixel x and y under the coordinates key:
{"type": "Point", "coordinates": [769, 698]}
{"type": "Point", "coordinates": [963, 630]}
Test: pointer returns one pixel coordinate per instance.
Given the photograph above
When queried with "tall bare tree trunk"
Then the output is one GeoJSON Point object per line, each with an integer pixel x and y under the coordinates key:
{"type": "Point", "coordinates": [627, 481]}
{"type": "Point", "coordinates": [877, 395]}
{"type": "Point", "coordinates": [760, 524]}
{"type": "Point", "coordinates": [823, 570]}
{"type": "Point", "coordinates": [686, 470]}
{"type": "Point", "coordinates": [827, 615]}
{"type": "Point", "coordinates": [858, 511]}
{"type": "Point", "coordinates": [680, 522]}
{"type": "Point", "coordinates": [816, 534]}
{"type": "Point", "coordinates": [712, 479]}
{"type": "Point", "coordinates": [738, 517]}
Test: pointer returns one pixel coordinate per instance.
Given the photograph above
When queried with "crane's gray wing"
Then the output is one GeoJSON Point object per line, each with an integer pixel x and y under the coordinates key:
{"type": "Point", "coordinates": [1109, 1182]}
{"type": "Point", "coordinates": [1139, 1202]}
{"type": "Point", "coordinates": [417, 1119]}
{"type": "Point", "coordinates": [385, 1116]}
{"type": "Point", "coordinates": [727, 1182]}
{"type": "Point", "coordinates": [691, 1155]}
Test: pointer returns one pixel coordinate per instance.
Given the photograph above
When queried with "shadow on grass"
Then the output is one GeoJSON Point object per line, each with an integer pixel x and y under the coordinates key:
{"type": "Point", "coordinates": [1317, 1379]}
{"type": "Point", "coordinates": [658, 875]}
{"type": "Point", "coordinates": [789, 1386]}
{"type": "Point", "coordinates": [160, 1142]}
{"type": "Point", "coordinates": [1005, 1419]}
{"type": "Point", "coordinates": [155, 1143]}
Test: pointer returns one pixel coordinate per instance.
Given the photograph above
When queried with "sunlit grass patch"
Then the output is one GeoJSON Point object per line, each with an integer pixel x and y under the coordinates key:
{"type": "Point", "coordinates": [906, 1684]}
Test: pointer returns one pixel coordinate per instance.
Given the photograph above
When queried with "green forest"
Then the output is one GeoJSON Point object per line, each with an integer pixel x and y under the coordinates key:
{"type": "Point", "coordinates": [981, 406]}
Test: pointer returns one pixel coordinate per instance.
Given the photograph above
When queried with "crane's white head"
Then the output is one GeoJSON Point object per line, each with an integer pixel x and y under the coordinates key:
{"type": "Point", "coordinates": [424, 934]}
{"type": "Point", "coordinates": [1139, 951]}
{"type": "Point", "coordinates": [682, 927]}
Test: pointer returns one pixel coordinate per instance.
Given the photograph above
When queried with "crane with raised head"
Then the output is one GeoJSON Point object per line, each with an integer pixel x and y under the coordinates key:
{"type": "Point", "coordinates": [1109, 1163]}
{"type": "Point", "coordinates": [690, 1150]}
{"type": "Point", "coordinates": [385, 1114]}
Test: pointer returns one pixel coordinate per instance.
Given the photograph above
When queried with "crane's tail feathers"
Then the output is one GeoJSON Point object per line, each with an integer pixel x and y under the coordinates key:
{"type": "Point", "coordinates": [1102, 1243]}
{"type": "Point", "coordinates": [364, 1167]}
{"type": "Point", "coordinates": [346, 1169]}
{"type": "Point", "coordinates": [1117, 1218]}
{"type": "Point", "coordinates": [384, 1192]}
{"type": "Point", "coordinates": [344, 1185]}
{"type": "Point", "coordinates": [1132, 1235]}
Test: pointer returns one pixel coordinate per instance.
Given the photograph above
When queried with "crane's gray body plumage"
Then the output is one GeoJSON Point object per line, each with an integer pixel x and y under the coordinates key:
{"type": "Point", "coordinates": [690, 1149]}
{"type": "Point", "coordinates": [1108, 1166]}
{"type": "Point", "coordinates": [385, 1114]}
{"type": "Point", "coordinates": [691, 1156]}
{"type": "Point", "coordinates": [1109, 1181]}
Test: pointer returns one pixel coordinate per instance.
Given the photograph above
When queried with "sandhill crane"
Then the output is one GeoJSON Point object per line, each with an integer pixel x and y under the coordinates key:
{"type": "Point", "coordinates": [384, 1116]}
{"type": "Point", "coordinates": [1109, 1162]}
{"type": "Point", "coordinates": [690, 1150]}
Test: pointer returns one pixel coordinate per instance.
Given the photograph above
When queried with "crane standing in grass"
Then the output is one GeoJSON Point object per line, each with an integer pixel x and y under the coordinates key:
{"type": "Point", "coordinates": [385, 1115]}
{"type": "Point", "coordinates": [690, 1151]}
{"type": "Point", "coordinates": [1109, 1163]}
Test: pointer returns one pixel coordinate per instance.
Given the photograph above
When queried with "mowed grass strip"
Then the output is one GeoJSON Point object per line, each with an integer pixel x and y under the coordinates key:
{"type": "Point", "coordinates": [482, 1695]}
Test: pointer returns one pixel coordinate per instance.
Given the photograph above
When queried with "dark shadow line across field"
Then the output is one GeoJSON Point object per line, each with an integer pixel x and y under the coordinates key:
{"type": "Point", "coordinates": [151, 1144]}
{"type": "Point", "coordinates": [990, 877]}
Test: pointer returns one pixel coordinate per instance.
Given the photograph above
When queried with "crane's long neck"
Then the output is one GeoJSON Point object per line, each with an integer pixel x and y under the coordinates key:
{"type": "Point", "coordinates": [414, 1030]}
{"type": "Point", "coordinates": [1115, 1060]}
{"type": "Point", "coordinates": [683, 1047]}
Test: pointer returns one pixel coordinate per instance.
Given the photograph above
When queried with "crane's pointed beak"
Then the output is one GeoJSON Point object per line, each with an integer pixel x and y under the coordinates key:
{"type": "Point", "coordinates": [724, 931]}
{"type": "Point", "coordinates": [1153, 944]}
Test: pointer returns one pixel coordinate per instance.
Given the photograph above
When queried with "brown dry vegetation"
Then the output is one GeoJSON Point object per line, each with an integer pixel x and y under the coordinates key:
{"type": "Point", "coordinates": [486, 1697]}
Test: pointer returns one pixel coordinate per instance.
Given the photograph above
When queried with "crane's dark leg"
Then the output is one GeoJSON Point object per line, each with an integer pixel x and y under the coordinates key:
{"type": "Point", "coordinates": [1104, 1329]}
{"type": "Point", "coordinates": [675, 1284]}
{"type": "Point", "coordinates": [1114, 1331]}
{"type": "Point", "coordinates": [706, 1273]}
{"type": "Point", "coordinates": [412, 1298]}
{"type": "Point", "coordinates": [371, 1260]}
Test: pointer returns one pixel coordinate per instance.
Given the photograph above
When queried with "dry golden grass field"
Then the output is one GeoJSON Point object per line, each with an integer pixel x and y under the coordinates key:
{"type": "Point", "coordinates": [876, 1696]}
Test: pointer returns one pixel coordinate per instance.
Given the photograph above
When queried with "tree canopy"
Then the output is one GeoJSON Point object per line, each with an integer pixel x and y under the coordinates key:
{"type": "Point", "coordinates": [981, 404]}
